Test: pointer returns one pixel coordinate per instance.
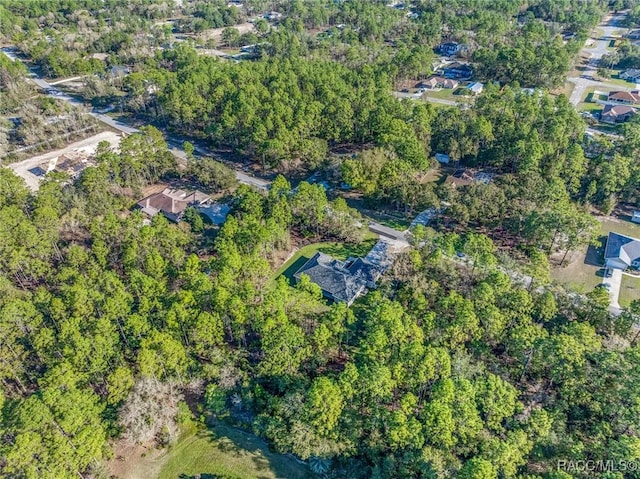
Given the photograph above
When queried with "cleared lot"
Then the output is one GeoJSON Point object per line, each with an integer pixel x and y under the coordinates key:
{"type": "Point", "coordinates": [25, 168]}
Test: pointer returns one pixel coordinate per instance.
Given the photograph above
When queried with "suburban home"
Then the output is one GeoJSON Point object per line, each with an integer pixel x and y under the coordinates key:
{"type": "Point", "coordinates": [622, 252]}
{"type": "Point", "coordinates": [438, 82]}
{"type": "Point", "coordinates": [616, 113]}
{"type": "Point", "coordinates": [632, 75]}
{"type": "Point", "coordinates": [449, 49]}
{"type": "Point", "coordinates": [272, 16]}
{"type": "Point", "coordinates": [635, 217]}
{"type": "Point", "coordinates": [465, 177]}
{"type": "Point", "coordinates": [344, 281]}
{"type": "Point", "coordinates": [625, 97]}
{"type": "Point", "coordinates": [633, 34]}
{"type": "Point", "coordinates": [475, 87]}
{"type": "Point", "coordinates": [172, 203]}
{"type": "Point", "coordinates": [458, 71]}
{"type": "Point", "coordinates": [461, 177]}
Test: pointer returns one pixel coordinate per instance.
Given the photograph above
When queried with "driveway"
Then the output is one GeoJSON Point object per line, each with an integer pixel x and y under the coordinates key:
{"type": "Point", "coordinates": [614, 288]}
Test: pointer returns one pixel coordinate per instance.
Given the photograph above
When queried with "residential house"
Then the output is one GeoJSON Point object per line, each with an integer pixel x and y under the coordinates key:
{"type": "Point", "coordinates": [616, 113]}
{"type": "Point", "coordinates": [622, 252]}
{"type": "Point", "coordinates": [475, 87]}
{"type": "Point", "coordinates": [625, 97]}
{"type": "Point", "coordinates": [435, 81]}
{"type": "Point", "coordinates": [272, 16]}
{"type": "Point", "coordinates": [73, 163]}
{"type": "Point", "coordinates": [449, 49]}
{"type": "Point", "coordinates": [461, 177]}
{"type": "Point", "coordinates": [172, 203]}
{"type": "Point", "coordinates": [636, 217]}
{"type": "Point", "coordinates": [457, 70]}
{"type": "Point", "coordinates": [344, 281]}
{"type": "Point", "coordinates": [633, 34]}
{"type": "Point", "coordinates": [465, 177]}
{"type": "Point", "coordinates": [632, 75]}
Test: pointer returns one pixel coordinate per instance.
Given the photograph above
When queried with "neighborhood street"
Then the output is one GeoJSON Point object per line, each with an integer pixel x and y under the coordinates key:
{"type": "Point", "coordinates": [53, 92]}
{"type": "Point", "coordinates": [595, 49]}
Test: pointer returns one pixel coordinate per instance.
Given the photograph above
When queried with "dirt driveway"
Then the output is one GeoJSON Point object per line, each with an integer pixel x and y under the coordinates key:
{"type": "Point", "coordinates": [47, 160]}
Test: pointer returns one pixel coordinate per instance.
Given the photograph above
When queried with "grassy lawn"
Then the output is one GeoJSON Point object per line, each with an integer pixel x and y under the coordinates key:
{"type": "Point", "coordinates": [615, 82]}
{"type": "Point", "coordinates": [227, 452]}
{"type": "Point", "coordinates": [584, 271]}
{"type": "Point", "coordinates": [444, 94]}
{"type": "Point", "coordinates": [338, 250]}
{"type": "Point", "coordinates": [621, 226]}
{"type": "Point", "coordinates": [579, 275]}
{"type": "Point", "coordinates": [629, 290]}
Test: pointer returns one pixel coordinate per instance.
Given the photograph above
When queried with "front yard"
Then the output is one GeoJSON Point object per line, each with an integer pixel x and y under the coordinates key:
{"type": "Point", "coordinates": [629, 290]}
{"type": "Point", "coordinates": [585, 267]}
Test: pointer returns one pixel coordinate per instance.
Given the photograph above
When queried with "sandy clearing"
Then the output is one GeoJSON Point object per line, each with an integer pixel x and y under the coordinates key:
{"type": "Point", "coordinates": [88, 146]}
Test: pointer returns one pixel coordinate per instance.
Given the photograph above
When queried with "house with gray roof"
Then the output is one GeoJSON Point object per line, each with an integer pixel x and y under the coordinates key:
{"type": "Point", "coordinates": [622, 252]}
{"type": "Point", "coordinates": [344, 281]}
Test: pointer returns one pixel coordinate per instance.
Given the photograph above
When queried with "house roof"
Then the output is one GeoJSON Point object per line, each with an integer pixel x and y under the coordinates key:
{"type": "Point", "coordinates": [333, 278]}
{"type": "Point", "coordinates": [617, 110]}
{"type": "Point", "coordinates": [172, 202]}
{"type": "Point", "coordinates": [460, 178]}
{"type": "Point", "coordinates": [631, 96]}
{"type": "Point", "coordinates": [622, 247]}
{"type": "Point", "coordinates": [345, 280]}
{"type": "Point", "coordinates": [632, 72]}
{"type": "Point", "coordinates": [458, 66]}
{"type": "Point", "coordinates": [476, 87]}
{"type": "Point", "coordinates": [435, 80]}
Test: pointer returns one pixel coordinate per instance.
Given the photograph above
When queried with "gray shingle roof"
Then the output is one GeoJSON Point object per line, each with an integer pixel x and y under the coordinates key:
{"type": "Point", "coordinates": [622, 247]}
{"type": "Point", "coordinates": [337, 282]}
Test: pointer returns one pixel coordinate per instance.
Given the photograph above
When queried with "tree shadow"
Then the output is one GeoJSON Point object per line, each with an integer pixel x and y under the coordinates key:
{"type": "Point", "coordinates": [241, 443]}
{"type": "Point", "coordinates": [595, 254]}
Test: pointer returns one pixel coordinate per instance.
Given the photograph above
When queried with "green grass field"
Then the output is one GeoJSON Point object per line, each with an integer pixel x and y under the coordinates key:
{"type": "Point", "coordinates": [225, 452]}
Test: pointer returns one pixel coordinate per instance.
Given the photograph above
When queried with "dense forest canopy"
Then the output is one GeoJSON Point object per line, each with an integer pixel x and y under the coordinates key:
{"type": "Point", "coordinates": [466, 361]}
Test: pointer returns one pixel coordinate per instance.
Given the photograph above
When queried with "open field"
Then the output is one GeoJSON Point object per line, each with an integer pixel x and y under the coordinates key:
{"type": "Point", "coordinates": [87, 145]}
{"type": "Point", "coordinates": [217, 451]}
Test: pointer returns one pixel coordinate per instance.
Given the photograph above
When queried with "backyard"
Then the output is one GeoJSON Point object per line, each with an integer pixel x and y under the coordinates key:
{"type": "Point", "coordinates": [340, 251]}
{"type": "Point", "coordinates": [218, 451]}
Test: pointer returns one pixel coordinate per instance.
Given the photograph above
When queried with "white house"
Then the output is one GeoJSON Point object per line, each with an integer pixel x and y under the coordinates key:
{"type": "Point", "coordinates": [622, 252]}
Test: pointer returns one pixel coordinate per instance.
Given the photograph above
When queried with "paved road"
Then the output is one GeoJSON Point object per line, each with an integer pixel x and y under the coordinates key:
{"type": "Point", "coordinates": [53, 92]}
{"type": "Point", "coordinates": [608, 26]}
